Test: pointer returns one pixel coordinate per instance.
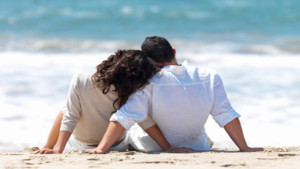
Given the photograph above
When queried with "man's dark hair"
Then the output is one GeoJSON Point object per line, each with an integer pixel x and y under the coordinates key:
{"type": "Point", "coordinates": [158, 49]}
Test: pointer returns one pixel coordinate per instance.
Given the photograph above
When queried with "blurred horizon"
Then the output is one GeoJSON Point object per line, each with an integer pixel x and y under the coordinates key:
{"type": "Point", "coordinates": [66, 26]}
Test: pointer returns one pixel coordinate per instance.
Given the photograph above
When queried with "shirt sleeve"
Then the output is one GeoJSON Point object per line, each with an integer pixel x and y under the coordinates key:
{"type": "Point", "coordinates": [72, 110]}
{"type": "Point", "coordinates": [222, 111]}
{"type": "Point", "coordinates": [147, 123]}
{"type": "Point", "coordinates": [135, 110]}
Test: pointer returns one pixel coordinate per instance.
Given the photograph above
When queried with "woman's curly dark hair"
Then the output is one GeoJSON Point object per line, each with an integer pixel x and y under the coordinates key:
{"type": "Point", "coordinates": [127, 71]}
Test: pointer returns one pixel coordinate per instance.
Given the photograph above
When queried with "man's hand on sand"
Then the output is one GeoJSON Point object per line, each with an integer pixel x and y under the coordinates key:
{"type": "Point", "coordinates": [181, 150]}
{"type": "Point", "coordinates": [254, 149]}
{"type": "Point", "coordinates": [47, 151]}
{"type": "Point", "coordinates": [96, 151]}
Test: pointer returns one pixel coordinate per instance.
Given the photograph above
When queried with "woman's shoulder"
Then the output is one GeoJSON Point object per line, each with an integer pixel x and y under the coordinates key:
{"type": "Point", "coordinates": [82, 80]}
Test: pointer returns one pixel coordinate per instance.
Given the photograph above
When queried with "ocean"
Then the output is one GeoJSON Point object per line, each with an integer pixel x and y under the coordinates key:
{"type": "Point", "coordinates": [253, 44]}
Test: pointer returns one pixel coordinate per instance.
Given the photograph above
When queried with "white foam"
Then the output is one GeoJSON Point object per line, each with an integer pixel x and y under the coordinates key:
{"type": "Point", "coordinates": [85, 46]}
{"type": "Point", "coordinates": [65, 45]}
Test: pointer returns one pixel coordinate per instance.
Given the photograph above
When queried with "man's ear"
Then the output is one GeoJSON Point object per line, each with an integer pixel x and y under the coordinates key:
{"type": "Point", "coordinates": [174, 50]}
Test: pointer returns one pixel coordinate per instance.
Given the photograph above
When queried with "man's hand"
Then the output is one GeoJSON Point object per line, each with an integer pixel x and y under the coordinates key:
{"type": "Point", "coordinates": [181, 150]}
{"type": "Point", "coordinates": [113, 132]}
{"type": "Point", "coordinates": [234, 130]}
{"type": "Point", "coordinates": [47, 151]}
{"type": "Point", "coordinates": [254, 149]}
{"type": "Point", "coordinates": [96, 151]}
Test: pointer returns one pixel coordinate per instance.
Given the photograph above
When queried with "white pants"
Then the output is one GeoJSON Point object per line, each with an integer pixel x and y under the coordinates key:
{"type": "Point", "coordinates": [135, 136]}
{"type": "Point", "coordinates": [75, 145]}
{"type": "Point", "coordinates": [138, 139]}
{"type": "Point", "coordinates": [141, 141]}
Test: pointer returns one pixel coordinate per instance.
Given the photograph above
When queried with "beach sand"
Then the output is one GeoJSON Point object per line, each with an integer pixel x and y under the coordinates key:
{"type": "Point", "coordinates": [287, 157]}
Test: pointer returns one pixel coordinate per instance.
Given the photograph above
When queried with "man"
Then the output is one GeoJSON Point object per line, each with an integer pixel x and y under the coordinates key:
{"type": "Point", "coordinates": [179, 98]}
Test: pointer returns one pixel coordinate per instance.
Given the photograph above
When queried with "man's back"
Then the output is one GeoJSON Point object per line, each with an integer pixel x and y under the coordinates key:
{"type": "Point", "coordinates": [180, 99]}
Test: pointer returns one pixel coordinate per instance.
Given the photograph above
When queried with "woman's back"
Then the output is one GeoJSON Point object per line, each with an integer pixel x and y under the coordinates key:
{"type": "Point", "coordinates": [89, 108]}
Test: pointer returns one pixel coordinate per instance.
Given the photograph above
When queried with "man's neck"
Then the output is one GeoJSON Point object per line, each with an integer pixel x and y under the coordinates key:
{"type": "Point", "coordinates": [172, 62]}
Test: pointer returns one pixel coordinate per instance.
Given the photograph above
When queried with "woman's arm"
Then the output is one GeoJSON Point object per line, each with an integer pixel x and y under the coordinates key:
{"type": "Point", "coordinates": [159, 138]}
{"type": "Point", "coordinates": [155, 133]}
{"type": "Point", "coordinates": [61, 142]}
{"type": "Point", "coordinates": [60, 145]}
{"type": "Point", "coordinates": [53, 135]}
{"type": "Point", "coordinates": [150, 127]}
{"type": "Point", "coordinates": [54, 132]}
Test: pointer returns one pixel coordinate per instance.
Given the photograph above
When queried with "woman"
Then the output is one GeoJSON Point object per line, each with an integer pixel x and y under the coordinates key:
{"type": "Point", "coordinates": [92, 100]}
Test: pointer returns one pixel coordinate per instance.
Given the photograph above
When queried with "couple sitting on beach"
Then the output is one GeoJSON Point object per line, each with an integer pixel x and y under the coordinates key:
{"type": "Point", "coordinates": [145, 99]}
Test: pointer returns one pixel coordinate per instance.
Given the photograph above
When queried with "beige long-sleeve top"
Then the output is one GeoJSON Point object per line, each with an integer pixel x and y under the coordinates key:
{"type": "Point", "coordinates": [88, 110]}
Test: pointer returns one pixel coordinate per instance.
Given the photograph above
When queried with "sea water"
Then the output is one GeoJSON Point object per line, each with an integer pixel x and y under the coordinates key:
{"type": "Point", "coordinates": [254, 45]}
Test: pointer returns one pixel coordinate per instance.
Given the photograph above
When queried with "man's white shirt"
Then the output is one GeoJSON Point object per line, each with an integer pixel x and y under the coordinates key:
{"type": "Point", "coordinates": [180, 99]}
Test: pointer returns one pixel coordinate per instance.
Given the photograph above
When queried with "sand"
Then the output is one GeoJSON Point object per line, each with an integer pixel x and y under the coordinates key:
{"type": "Point", "coordinates": [287, 158]}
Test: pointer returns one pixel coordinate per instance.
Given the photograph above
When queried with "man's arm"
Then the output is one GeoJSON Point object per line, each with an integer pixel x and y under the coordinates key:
{"type": "Point", "coordinates": [135, 110]}
{"type": "Point", "coordinates": [113, 132]}
{"type": "Point", "coordinates": [234, 130]}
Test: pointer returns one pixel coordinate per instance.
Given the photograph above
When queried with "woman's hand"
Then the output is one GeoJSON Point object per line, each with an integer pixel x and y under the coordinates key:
{"type": "Point", "coordinates": [181, 150]}
{"type": "Point", "coordinates": [47, 151]}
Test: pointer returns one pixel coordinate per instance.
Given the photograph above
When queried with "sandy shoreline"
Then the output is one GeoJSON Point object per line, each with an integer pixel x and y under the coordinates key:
{"type": "Point", "coordinates": [288, 157]}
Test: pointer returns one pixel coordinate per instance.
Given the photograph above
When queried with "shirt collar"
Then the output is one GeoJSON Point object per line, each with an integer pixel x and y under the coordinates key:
{"type": "Point", "coordinates": [178, 69]}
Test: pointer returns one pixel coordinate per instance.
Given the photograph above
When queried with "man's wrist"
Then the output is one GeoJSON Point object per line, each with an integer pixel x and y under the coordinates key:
{"type": "Point", "coordinates": [246, 148]}
{"type": "Point", "coordinates": [170, 149]}
{"type": "Point", "coordinates": [100, 149]}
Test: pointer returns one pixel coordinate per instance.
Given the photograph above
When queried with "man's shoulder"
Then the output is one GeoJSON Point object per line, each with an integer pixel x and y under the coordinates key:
{"type": "Point", "coordinates": [202, 72]}
{"type": "Point", "coordinates": [196, 75]}
{"type": "Point", "coordinates": [205, 71]}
